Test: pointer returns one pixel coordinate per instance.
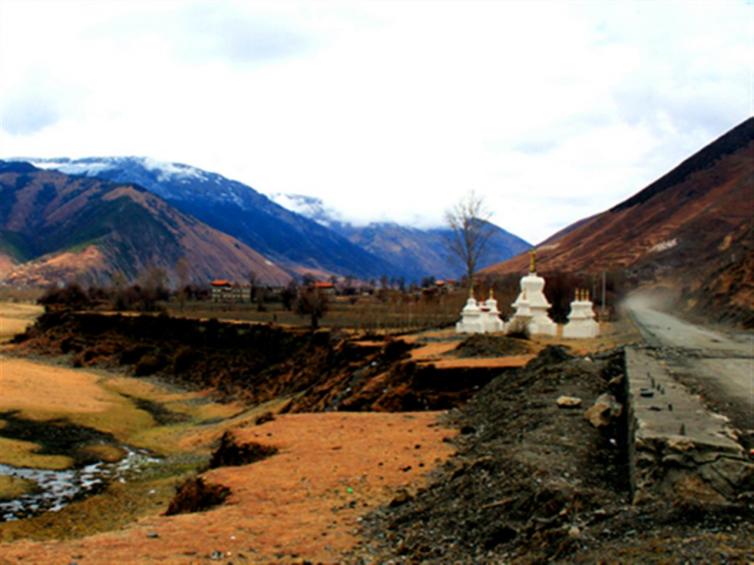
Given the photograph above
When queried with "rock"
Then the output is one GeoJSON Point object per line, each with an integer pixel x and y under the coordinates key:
{"type": "Point", "coordinates": [604, 409]}
{"type": "Point", "coordinates": [264, 418]}
{"type": "Point", "coordinates": [568, 402]}
{"type": "Point", "coordinates": [574, 532]}
{"type": "Point", "coordinates": [401, 497]}
{"type": "Point", "coordinates": [681, 444]}
{"type": "Point", "coordinates": [153, 535]}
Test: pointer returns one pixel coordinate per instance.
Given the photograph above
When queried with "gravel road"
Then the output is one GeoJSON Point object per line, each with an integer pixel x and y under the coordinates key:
{"type": "Point", "coordinates": [718, 365]}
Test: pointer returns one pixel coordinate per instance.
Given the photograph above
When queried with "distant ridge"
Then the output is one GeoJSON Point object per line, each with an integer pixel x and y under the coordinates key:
{"type": "Point", "coordinates": [417, 252]}
{"type": "Point", "coordinates": [294, 241]}
{"type": "Point", "coordinates": [56, 227]}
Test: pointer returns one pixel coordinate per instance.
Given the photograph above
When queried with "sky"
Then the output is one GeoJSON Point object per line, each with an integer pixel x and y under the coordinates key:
{"type": "Point", "coordinates": [391, 110]}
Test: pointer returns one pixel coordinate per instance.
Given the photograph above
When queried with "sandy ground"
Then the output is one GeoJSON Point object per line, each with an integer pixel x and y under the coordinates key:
{"type": "Point", "coordinates": [303, 503]}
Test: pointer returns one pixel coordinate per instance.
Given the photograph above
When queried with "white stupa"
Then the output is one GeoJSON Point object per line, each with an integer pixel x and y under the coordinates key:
{"type": "Point", "coordinates": [478, 318]}
{"type": "Point", "coordinates": [581, 323]}
{"type": "Point", "coordinates": [471, 317]}
{"type": "Point", "coordinates": [531, 304]}
{"type": "Point", "coordinates": [491, 315]}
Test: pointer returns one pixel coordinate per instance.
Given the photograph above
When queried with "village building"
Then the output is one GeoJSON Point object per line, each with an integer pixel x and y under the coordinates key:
{"type": "Point", "coordinates": [225, 291]}
{"type": "Point", "coordinates": [325, 287]}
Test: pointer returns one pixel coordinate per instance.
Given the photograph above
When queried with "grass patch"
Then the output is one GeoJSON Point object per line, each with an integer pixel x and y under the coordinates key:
{"type": "Point", "coordinates": [24, 454]}
{"type": "Point", "coordinates": [13, 487]}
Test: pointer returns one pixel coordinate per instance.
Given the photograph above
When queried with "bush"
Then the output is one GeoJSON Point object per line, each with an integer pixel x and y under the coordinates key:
{"type": "Point", "coordinates": [149, 364]}
{"type": "Point", "coordinates": [70, 296]}
{"type": "Point", "coordinates": [231, 453]}
{"type": "Point", "coordinates": [194, 495]}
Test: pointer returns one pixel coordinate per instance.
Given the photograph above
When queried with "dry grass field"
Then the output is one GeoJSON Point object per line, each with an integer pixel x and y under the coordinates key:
{"type": "Point", "coordinates": [15, 317]}
{"type": "Point", "coordinates": [303, 503]}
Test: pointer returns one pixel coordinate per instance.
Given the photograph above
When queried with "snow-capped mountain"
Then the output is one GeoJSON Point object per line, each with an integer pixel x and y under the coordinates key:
{"type": "Point", "coordinates": [418, 252]}
{"type": "Point", "coordinates": [301, 233]}
{"type": "Point", "coordinates": [288, 238]}
{"type": "Point", "coordinates": [56, 227]}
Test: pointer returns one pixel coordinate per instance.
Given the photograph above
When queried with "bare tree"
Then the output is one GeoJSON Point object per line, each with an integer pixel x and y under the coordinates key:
{"type": "Point", "coordinates": [183, 273]}
{"type": "Point", "coordinates": [313, 303]}
{"type": "Point", "coordinates": [470, 232]}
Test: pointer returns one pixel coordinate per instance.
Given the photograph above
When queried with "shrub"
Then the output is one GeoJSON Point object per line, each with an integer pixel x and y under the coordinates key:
{"type": "Point", "coordinates": [231, 453]}
{"type": "Point", "coordinates": [194, 495]}
{"type": "Point", "coordinates": [70, 296]}
{"type": "Point", "coordinates": [149, 364]}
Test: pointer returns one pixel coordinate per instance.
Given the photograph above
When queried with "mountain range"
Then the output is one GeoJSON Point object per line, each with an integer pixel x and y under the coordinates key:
{"type": "Point", "coordinates": [56, 227]}
{"type": "Point", "coordinates": [91, 218]}
{"type": "Point", "coordinates": [299, 235]}
{"type": "Point", "coordinates": [419, 251]}
{"type": "Point", "coordinates": [692, 228]}
{"type": "Point", "coordinates": [293, 241]}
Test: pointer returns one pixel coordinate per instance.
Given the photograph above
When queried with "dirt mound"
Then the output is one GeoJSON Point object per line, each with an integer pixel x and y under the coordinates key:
{"type": "Point", "coordinates": [482, 345]}
{"type": "Point", "coordinates": [195, 495]}
{"type": "Point", "coordinates": [231, 453]}
{"type": "Point", "coordinates": [533, 482]}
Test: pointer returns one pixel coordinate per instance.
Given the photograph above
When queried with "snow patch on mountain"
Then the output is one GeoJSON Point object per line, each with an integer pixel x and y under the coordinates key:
{"type": "Point", "coordinates": [68, 167]}
{"type": "Point", "coordinates": [173, 171]}
{"type": "Point", "coordinates": [310, 207]}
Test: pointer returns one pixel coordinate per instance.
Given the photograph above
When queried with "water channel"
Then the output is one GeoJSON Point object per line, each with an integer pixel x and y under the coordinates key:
{"type": "Point", "coordinates": [56, 489]}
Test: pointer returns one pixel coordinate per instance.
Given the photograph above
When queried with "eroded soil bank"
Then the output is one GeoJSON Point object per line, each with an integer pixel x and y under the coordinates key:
{"type": "Point", "coordinates": [320, 371]}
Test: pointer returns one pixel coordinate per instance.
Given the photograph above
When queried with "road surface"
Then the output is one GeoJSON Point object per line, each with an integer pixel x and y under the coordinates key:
{"type": "Point", "coordinates": [718, 366]}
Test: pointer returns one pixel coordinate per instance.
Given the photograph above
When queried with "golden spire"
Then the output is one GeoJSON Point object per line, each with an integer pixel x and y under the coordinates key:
{"type": "Point", "coordinates": [532, 261]}
{"type": "Point", "coordinates": [492, 294]}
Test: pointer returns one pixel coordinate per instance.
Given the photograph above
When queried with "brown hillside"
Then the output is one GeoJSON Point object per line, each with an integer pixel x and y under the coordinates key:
{"type": "Point", "coordinates": [696, 220]}
{"type": "Point", "coordinates": [58, 227]}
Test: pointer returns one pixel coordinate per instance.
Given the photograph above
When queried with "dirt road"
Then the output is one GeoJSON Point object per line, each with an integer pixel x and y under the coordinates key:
{"type": "Point", "coordinates": [717, 366]}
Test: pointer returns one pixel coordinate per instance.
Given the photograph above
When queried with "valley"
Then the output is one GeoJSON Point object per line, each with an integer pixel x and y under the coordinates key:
{"type": "Point", "coordinates": [388, 447]}
{"type": "Point", "coordinates": [376, 283]}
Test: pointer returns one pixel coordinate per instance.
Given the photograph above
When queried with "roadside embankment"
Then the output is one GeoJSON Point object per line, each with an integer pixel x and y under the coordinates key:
{"type": "Point", "coordinates": [678, 448]}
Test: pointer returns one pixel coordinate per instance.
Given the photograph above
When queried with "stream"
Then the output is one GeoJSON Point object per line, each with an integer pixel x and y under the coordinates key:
{"type": "Point", "coordinates": [56, 489]}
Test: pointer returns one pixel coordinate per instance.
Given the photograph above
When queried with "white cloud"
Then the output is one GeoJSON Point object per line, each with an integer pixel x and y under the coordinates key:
{"type": "Point", "coordinates": [553, 111]}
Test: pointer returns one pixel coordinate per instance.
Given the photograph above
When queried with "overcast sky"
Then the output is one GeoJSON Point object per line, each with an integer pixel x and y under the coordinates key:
{"type": "Point", "coordinates": [552, 111]}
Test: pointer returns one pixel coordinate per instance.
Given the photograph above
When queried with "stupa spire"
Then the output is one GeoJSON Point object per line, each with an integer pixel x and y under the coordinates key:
{"type": "Point", "coordinates": [533, 261]}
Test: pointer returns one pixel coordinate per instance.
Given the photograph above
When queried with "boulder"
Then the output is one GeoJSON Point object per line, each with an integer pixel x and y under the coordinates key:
{"type": "Point", "coordinates": [568, 402]}
{"type": "Point", "coordinates": [603, 411]}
